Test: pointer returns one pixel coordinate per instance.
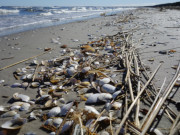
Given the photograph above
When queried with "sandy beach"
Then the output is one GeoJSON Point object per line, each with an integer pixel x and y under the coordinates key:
{"type": "Point", "coordinates": [156, 37]}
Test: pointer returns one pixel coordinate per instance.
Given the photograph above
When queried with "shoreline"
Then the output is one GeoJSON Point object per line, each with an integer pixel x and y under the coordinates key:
{"type": "Point", "coordinates": [154, 32]}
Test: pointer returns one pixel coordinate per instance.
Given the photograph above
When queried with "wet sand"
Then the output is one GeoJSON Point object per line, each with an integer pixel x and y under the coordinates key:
{"type": "Point", "coordinates": [153, 31]}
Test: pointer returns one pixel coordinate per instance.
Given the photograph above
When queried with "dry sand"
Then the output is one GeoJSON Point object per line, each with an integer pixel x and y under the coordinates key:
{"type": "Point", "coordinates": [154, 31]}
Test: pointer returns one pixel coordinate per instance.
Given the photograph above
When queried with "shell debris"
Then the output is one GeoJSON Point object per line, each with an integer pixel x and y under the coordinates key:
{"type": "Point", "coordinates": [75, 90]}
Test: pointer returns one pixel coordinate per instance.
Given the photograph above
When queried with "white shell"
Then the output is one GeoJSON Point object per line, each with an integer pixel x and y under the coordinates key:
{"type": "Point", "coordinates": [8, 114]}
{"type": "Point", "coordinates": [104, 97]}
{"type": "Point", "coordinates": [96, 63]}
{"type": "Point", "coordinates": [70, 71]}
{"type": "Point", "coordinates": [98, 97]}
{"type": "Point", "coordinates": [54, 112]}
{"type": "Point", "coordinates": [104, 81]}
{"type": "Point", "coordinates": [22, 97]}
{"type": "Point", "coordinates": [117, 105]}
{"type": "Point", "coordinates": [24, 107]}
{"type": "Point", "coordinates": [86, 69]}
{"type": "Point", "coordinates": [14, 124]}
{"type": "Point", "coordinates": [91, 109]}
{"type": "Point", "coordinates": [57, 122]}
{"type": "Point", "coordinates": [35, 84]}
{"type": "Point", "coordinates": [108, 88]}
{"type": "Point", "coordinates": [24, 84]}
{"type": "Point", "coordinates": [66, 108]}
{"type": "Point", "coordinates": [29, 76]}
{"type": "Point", "coordinates": [115, 94]}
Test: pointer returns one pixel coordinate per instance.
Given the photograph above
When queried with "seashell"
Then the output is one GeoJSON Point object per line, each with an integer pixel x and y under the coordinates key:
{"type": "Point", "coordinates": [104, 81]}
{"type": "Point", "coordinates": [70, 71]}
{"type": "Point", "coordinates": [29, 76]}
{"type": "Point", "coordinates": [108, 88]}
{"type": "Point", "coordinates": [106, 61]}
{"type": "Point", "coordinates": [22, 97]}
{"type": "Point", "coordinates": [35, 114]}
{"type": "Point", "coordinates": [57, 122]}
{"type": "Point", "coordinates": [2, 81]}
{"type": "Point", "coordinates": [54, 112]}
{"type": "Point", "coordinates": [62, 100]}
{"type": "Point", "coordinates": [48, 122]}
{"type": "Point", "coordinates": [52, 133]}
{"type": "Point", "coordinates": [14, 124]}
{"type": "Point", "coordinates": [16, 85]}
{"type": "Point", "coordinates": [35, 84]}
{"type": "Point", "coordinates": [24, 107]}
{"type": "Point", "coordinates": [24, 84]}
{"type": "Point", "coordinates": [43, 98]}
{"type": "Point", "coordinates": [44, 62]}
{"type": "Point", "coordinates": [51, 103]}
{"type": "Point", "coordinates": [66, 126]}
{"type": "Point", "coordinates": [104, 97]}
{"type": "Point", "coordinates": [91, 109]}
{"type": "Point", "coordinates": [116, 105]}
{"type": "Point", "coordinates": [98, 98]}
{"type": "Point", "coordinates": [43, 69]}
{"type": "Point", "coordinates": [35, 62]}
{"type": "Point", "coordinates": [47, 83]}
{"type": "Point", "coordinates": [3, 109]}
{"type": "Point", "coordinates": [86, 69]}
{"type": "Point", "coordinates": [96, 63]}
{"type": "Point", "coordinates": [8, 114]}
{"type": "Point", "coordinates": [104, 133]}
{"type": "Point", "coordinates": [85, 83]}
{"type": "Point", "coordinates": [66, 108]}
{"type": "Point", "coordinates": [30, 133]}
{"type": "Point", "coordinates": [16, 116]}
{"type": "Point", "coordinates": [115, 94]}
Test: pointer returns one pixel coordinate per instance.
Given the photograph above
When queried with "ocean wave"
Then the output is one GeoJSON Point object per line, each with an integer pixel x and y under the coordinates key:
{"type": "Point", "coordinates": [6, 11]}
{"type": "Point", "coordinates": [46, 14]}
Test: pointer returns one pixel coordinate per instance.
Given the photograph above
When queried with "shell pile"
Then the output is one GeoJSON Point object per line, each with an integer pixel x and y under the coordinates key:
{"type": "Point", "coordinates": [85, 91]}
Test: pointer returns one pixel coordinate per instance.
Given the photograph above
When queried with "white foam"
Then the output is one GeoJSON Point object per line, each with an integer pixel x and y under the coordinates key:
{"type": "Point", "coordinates": [46, 14]}
{"type": "Point", "coordinates": [6, 11]}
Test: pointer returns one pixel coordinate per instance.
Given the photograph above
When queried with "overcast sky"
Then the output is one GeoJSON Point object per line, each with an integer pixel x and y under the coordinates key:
{"type": "Point", "coordinates": [81, 2]}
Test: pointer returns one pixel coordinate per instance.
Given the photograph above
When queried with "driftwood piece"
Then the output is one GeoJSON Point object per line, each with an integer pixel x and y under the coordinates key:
{"type": "Point", "coordinates": [160, 102]}
{"type": "Point", "coordinates": [133, 103]}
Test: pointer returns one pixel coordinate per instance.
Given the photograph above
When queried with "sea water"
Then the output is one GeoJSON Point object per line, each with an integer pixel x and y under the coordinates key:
{"type": "Point", "coordinates": [17, 19]}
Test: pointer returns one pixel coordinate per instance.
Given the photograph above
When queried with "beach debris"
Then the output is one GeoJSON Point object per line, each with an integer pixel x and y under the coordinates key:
{"type": "Point", "coordinates": [89, 90]}
{"type": "Point", "coordinates": [163, 52]}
